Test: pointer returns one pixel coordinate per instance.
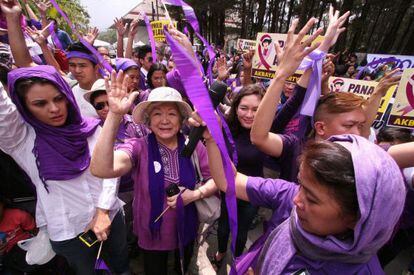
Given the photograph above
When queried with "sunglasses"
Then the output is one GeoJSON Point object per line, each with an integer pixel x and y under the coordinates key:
{"type": "Point", "coordinates": [150, 59]}
{"type": "Point", "coordinates": [99, 106]}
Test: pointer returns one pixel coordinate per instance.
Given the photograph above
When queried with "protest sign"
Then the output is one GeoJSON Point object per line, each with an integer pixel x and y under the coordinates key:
{"type": "Point", "coordinates": [265, 59]}
{"type": "Point", "coordinates": [245, 45]}
{"type": "Point", "coordinates": [158, 29]}
{"type": "Point", "coordinates": [362, 88]}
{"type": "Point", "coordinates": [402, 112]}
{"type": "Point", "coordinates": [402, 61]}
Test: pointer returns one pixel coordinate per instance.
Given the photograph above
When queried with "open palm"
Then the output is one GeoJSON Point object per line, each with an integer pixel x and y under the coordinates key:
{"type": "Point", "coordinates": [119, 100]}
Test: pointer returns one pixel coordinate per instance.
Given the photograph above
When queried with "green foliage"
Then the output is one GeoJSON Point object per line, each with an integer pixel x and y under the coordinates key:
{"type": "Point", "coordinates": [108, 36]}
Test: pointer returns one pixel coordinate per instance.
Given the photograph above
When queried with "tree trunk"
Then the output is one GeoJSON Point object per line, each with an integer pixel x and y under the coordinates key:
{"type": "Point", "coordinates": [282, 17]}
{"type": "Point", "coordinates": [275, 16]}
{"type": "Point", "coordinates": [291, 5]}
{"type": "Point", "coordinates": [369, 41]}
{"type": "Point", "coordinates": [388, 39]}
{"type": "Point", "coordinates": [260, 16]}
{"type": "Point", "coordinates": [341, 43]}
{"type": "Point", "coordinates": [243, 17]}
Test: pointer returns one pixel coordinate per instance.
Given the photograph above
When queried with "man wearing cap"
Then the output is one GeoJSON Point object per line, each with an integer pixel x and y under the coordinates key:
{"type": "Point", "coordinates": [83, 65]}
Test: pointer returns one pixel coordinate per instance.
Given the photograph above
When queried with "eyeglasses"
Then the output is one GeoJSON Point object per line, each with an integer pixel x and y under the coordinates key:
{"type": "Point", "coordinates": [100, 105]}
{"type": "Point", "coordinates": [150, 59]}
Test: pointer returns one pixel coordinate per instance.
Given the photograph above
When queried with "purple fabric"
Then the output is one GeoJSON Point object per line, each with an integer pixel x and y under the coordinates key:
{"type": "Point", "coordinates": [55, 39]}
{"type": "Point", "coordinates": [125, 64]}
{"type": "Point", "coordinates": [379, 61]}
{"type": "Point", "coordinates": [62, 153]}
{"type": "Point", "coordinates": [198, 95]}
{"type": "Point", "coordinates": [137, 149]}
{"type": "Point", "coordinates": [228, 136]}
{"type": "Point", "coordinates": [150, 35]}
{"type": "Point", "coordinates": [314, 61]}
{"type": "Point", "coordinates": [174, 81]}
{"type": "Point", "coordinates": [381, 192]}
{"type": "Point", "coordinates": [76, 54]}
{"type": "Point", "coordinates": [100, 58]}
{"type": "Point", "coordinates": [187, 178]}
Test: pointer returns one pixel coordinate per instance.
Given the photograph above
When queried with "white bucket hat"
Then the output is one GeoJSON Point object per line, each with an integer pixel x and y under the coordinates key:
{"type": "Point", "coordinates": [161, 95]}
{"type": "Point", "coordinates": [98, 85]}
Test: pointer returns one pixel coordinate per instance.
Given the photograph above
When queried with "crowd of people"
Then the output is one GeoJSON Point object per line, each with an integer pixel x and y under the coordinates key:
{"type": "Point", "coordinates": [94, 160]}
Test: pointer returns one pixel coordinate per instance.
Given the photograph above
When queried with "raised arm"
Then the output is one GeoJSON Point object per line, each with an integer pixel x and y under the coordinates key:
{"type": "Point", "coordinates": [121, 29]}
{"type": "Point", "coordinates": [403, 154]}
{"type": "Point", "coordinates": [133, 29]}
{"type": "Point", "coordinates": [40, 37]}
{"type": "Point", "coordinates": [42, 7]}
{"type": "Point", "coordinates": [12, 10]}
{"type": "Point", "coordinates": [374, 101]}
{"type": "Point", "coordinates": [247, 68]}
{"type": "Point", "coordinates": [105, 163]}
{"type": "Point", "coordinates": [289, 60]}
{"type": "Point", "coordinates": [29, 11]}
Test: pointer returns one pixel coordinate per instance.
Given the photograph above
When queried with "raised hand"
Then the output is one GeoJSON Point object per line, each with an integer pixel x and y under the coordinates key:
{"type": "Point", "coordinates": [119, 100]}
{"type": "Point", "coordinates": [182, 39]}
{"type": "Point", "coordinates": [133, 28]}
{"type": "Point", "coordinates": [388, 80]}
{"type": "Point", "coordinates": [43, 6]}
{"type": "Point", "coordinates": [91, 35]}
{"type": "Point", "coordinates": [39, 36]}
{"type": "Point", "coordinates": [335, 28]}
{"type": "Point", "coordinates": [121, 28]}
{"type": "Point", "coordinates": [295, 49]}
{"type": "Point", "coordinates": [247, 60]}
{"type": "Point", "coordinates": [10, 7]}
{"type": "Point", "coordinates": [223, 73]}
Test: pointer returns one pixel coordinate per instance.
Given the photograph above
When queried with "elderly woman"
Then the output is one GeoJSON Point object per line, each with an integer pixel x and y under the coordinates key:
{"type": "Point", "coordinates": [43, 130]}
{"type": "Point", "coordinates": [156, 164]}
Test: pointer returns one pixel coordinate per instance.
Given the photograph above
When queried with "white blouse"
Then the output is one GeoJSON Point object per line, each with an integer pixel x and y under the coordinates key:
{"type": "Point", "coordinates": [70, 205]}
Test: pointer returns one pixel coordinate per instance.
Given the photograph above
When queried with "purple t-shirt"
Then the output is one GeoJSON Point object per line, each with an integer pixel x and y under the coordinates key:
{"type": "Point", "coordinates": [278, 195]}
{"type": "Point", "coordinates": [137, 149]}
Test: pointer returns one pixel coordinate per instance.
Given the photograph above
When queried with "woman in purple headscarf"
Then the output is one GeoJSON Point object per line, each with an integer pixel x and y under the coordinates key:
{"type": "Point", "coordinates": [42, 129]}
{"type": "Point", "coordinates": [156, 164]}
{"type": "Point", "coordinates": [350, 196]}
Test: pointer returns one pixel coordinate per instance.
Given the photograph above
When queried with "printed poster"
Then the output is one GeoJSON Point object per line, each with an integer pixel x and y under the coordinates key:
{"type": "Point", "coordinates": [403, 61]}
{"type": "Point", "coordinates": [158, 29]}
{"type": "Point", "coordinates": [244, 45]}
{"type": "Point", "coordinates": [402, 112]}
{"type": "Point", "coordinates": [365, 89]}
{"type": "Point", "coordinates": [265, 59]}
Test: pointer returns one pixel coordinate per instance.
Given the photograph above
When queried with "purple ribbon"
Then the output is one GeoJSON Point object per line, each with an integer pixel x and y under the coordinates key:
{"type": "Point", "coordinates": [192, 20]}
{"type": "Point", "coordinates": [313, 61]}
{"type": "Point", "coordinates": [198, 94]}
{"type": "Point", "coordinates": [180, 229]}
{"type": "Point", "coordinates": [229, 136]}
{"type": "Point", "coordinates": [150, 35]}
{"type": "Point", "coordinates": [100, 58]}
{"type": "Point", "coordinates": [55, 39]}
{"type": "Point", "coordinates": [82, 55]}
{"type": "Point", "coordinates": [376, 62]}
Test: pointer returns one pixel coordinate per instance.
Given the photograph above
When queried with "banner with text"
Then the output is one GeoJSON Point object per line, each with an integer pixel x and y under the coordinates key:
{"type": "Point", "coordinates": [158, 29]}
{"type": "Point", "coordinates": [402, 112]}
{"type": "Point", "coordinates": [265, 59]}
{"type": "Point", "coordinates": [365, 89]}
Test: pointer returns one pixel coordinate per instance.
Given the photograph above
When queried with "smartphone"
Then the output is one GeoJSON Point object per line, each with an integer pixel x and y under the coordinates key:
{"type": "Point", "coordinates": [89, 238]}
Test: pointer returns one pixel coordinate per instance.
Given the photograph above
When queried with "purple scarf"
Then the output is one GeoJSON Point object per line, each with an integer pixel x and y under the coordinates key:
{"type": "Point", "coordinates": [381, 193]}
{"type": "Point", "coordinates": [187, 216]}
{"type": "Point", "coordinates": [62, 153]}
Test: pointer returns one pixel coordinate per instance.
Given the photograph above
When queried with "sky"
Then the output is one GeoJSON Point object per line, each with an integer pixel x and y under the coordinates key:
{"type": "Point", "coordinates": [103, 12]}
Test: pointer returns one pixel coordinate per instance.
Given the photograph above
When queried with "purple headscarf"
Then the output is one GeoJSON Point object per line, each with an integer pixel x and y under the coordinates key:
{"type": "Point", "coordinates": [62, 153]}
{"type": "Point", "coordinates": [381, 193]}
{"type": "Point", "coordinates": [125, 64]}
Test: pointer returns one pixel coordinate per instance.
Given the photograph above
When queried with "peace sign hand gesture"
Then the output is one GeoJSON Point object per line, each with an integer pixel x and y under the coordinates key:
{"type": "Point", "coordinates": [119, 100]}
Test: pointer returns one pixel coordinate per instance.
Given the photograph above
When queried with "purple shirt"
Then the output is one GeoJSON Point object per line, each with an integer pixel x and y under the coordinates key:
{"type": "Point", "coordinates": [137, 149]}
{"type": "Point", "coordinates": [278, 195]}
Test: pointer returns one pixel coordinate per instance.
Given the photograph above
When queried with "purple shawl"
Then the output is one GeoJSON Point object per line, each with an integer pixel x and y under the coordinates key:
{"type": "Point", "coordinates": [62, 153]}
{"type": "Point", "coordinates": [187, 216]}
{"type": "Point", "coordinates": [381, 193]}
